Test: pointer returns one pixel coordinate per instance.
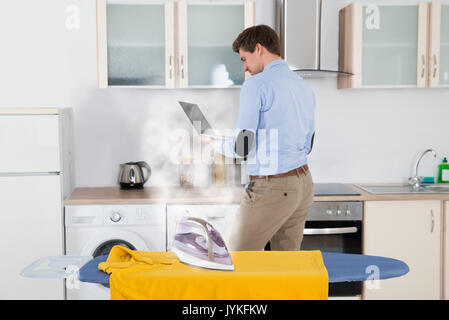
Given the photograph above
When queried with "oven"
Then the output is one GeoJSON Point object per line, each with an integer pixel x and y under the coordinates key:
{"type": "Point", "coordinates": [336, 226]}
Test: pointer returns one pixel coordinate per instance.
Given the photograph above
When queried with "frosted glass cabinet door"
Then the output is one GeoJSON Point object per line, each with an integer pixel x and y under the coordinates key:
{"type": "Point", "coordinates": [136, 33]}
{"type": "Point", "coordinates": [444, 46]}
{"type": "Point", "coordinates": [211, 30]}
{"type": "Point", "coordinates": [389, 47]}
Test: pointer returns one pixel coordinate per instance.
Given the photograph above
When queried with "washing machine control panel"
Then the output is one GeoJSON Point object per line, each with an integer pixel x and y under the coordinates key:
{"type": "Point", "coordinates": [132, 214]}
{"type": "Point", "coordinates": [115, 215]}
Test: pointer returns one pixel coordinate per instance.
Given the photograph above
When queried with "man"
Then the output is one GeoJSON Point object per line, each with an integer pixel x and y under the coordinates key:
{"type": "Point", "coordinates": [277, 107]}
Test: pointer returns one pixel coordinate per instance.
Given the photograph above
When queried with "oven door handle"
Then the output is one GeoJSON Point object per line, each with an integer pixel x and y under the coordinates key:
{"type": "Point", "coordinates": [321, 231]}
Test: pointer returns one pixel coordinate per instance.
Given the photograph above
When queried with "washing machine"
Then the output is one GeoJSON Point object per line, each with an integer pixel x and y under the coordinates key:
{"type": "Point", "coordinates": [92, 230]}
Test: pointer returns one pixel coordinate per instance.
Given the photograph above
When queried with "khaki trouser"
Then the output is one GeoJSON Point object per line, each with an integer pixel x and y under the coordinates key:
{"type": "Point", "coordinates": [275, 210]}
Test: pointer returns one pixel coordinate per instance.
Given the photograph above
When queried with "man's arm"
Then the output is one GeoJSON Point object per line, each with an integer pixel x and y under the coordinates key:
{"type": "Point", "coordinates": [311, 134]}
{"type": "Point", "coordinates": [309, 142]}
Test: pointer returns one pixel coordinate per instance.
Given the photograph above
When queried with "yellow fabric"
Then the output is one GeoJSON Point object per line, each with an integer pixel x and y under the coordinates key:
{"type": "Point", "coordinates": [258, 275]}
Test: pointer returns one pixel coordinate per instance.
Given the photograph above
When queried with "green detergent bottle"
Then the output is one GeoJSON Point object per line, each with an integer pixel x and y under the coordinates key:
{"type": "Point", "coordinates": [443, 172]}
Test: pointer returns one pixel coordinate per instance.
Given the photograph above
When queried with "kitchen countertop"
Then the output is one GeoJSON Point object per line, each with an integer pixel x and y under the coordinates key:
{"type": "Point", "coordinates": [210, 195]}
{"type": "Point", "coordinates": [172, 195]}
{"type": "Point", "coordinates": [28, 111]}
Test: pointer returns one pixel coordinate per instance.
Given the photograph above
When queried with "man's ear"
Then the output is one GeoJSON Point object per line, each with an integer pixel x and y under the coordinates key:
{"type": "Point", "coordinates": [259, 48]}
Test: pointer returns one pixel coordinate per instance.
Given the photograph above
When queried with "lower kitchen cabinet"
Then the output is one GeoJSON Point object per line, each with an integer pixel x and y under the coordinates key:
{"type": "Point", "coordinates": [409, 231]}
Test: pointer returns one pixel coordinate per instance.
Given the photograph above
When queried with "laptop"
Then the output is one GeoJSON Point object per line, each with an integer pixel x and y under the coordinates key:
{"type": "Point", "coordinates": [195, 114]}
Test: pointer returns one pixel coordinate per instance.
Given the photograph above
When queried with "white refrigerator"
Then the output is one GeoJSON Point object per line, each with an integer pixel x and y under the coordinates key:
{"type": "Point", "coordinates": [35, 177]}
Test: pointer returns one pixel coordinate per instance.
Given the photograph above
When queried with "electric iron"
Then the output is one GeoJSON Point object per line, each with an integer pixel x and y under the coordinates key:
{"type": "Point", "coordinates": [197, 243]}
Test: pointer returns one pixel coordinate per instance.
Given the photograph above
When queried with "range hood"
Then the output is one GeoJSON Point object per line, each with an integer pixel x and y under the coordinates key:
{"type": "Point", "coordinates": [300, 33]}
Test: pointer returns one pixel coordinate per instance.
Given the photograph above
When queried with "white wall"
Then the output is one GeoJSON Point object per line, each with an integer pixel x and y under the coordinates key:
{"type": "Point", "coordinates": [362, 135]}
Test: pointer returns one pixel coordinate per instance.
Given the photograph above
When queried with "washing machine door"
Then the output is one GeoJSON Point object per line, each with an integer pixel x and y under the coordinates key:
{"type": "Point", "coordinates": [99, 245]}
{"type": "Point", "coordinates": [103, 243]}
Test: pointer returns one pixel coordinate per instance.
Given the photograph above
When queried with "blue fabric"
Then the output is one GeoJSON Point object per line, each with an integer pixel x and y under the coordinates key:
{"type": "Point", "coordinates": [90, 272]}
{"type": "Point", "coordinates": [279, 107]}
{"type": "Point", "coordinates": [341, 267]}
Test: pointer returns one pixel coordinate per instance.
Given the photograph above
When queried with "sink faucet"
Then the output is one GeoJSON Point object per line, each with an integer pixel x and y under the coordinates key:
{"type": "Point", "coordinates": [416, 180]}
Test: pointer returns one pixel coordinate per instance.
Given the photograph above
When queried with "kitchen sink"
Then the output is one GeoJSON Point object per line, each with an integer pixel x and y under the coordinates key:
{"type": "Point", "coordinates": [441, 188]}
{"type": "Point", "coordinates": [403, 188]}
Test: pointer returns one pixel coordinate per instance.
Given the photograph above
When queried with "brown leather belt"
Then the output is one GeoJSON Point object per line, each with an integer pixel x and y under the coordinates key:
{"type": "Point", "coordinates": [292, 172]}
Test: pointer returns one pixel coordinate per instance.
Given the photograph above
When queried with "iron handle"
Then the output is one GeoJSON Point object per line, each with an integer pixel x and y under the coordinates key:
{"type": "Point", "coordinates": [215, 217]}
{"type": "Point", "coordinates": [324, 231]}
{"type": "Point", "coordinates": [208, 234]}
{"type": "Point", "coordinates": [423, 66]}
{"type": "Point", "coordinates": [432, 216]}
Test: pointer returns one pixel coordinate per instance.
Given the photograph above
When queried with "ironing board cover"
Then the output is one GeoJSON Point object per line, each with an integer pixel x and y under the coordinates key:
{"type": "Point", "coordinates": [341, 267]}
{"type": "Point", "coordinates": [258, 275]}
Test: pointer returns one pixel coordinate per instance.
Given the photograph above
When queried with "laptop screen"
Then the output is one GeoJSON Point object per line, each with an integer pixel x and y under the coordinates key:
{"type": "Point", "coordinates": [194, 114]}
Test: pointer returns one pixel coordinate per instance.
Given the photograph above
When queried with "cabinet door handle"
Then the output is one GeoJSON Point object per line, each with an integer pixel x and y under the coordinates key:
{"type": "Point", "coordinates": [435, 66]}
{"type": "Point", "coordinates": [182, 66]}
{"type": "Point", "coordinates": [170, 64]}
{"type": "Point", "coordinates": [423, 66]}
{"type": "Point", "coordinates": [432, 216]}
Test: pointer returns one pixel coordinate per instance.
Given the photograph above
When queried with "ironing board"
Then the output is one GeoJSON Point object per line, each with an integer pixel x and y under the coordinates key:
{"type": "Point", "coordinates": [341, 267]}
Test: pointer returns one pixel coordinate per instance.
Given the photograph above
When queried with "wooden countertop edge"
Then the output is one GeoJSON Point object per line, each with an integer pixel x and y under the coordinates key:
{"type": "Point", "coordinates": [216, 195]}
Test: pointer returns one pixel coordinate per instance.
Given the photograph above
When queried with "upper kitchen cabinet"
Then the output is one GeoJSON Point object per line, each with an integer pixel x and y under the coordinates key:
{"type": "Point", "coordinates": [393, 45]}
{"type": "Point", "coordinates": [441, 45]}
{"type": "Point", "coordinates": [170, 44]}
{"type": "Point", "coordinates": [207, 31]}
{"type": "Point", "coordinates": [135, 43]}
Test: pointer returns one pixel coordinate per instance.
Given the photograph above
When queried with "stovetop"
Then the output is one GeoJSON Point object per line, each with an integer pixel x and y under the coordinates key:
{"type": "Point", "coordinates": [334, 189]}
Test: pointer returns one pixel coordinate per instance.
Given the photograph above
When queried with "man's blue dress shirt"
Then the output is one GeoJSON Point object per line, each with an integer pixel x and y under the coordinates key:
{"type": "Point", "coordinates": [279, 107]}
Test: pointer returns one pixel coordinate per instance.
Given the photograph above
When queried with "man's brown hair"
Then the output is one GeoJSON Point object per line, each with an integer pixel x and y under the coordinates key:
{"type": "Point", "coordinates": [262, 34]}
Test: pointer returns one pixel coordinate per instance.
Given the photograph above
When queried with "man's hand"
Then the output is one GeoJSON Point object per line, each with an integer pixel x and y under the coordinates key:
{"type": "Point", "coordinates": [206, 139]}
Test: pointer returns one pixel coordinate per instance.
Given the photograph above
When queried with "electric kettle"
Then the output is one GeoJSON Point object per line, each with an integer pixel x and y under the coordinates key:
{"type": "Point", "coordinates": [131, 175]}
